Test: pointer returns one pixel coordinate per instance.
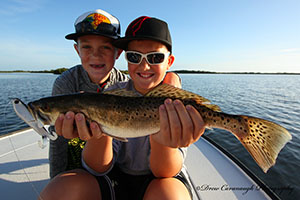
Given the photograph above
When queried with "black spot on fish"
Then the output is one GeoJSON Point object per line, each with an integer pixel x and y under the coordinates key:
{"type": "Point", "coordinates": [222, 118]}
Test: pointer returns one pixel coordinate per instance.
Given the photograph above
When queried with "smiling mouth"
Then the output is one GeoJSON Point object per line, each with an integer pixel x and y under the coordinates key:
{"type": "Point", "coordinates": [145, 75]}
{"type": "Point", "coordinates": [97, 66]}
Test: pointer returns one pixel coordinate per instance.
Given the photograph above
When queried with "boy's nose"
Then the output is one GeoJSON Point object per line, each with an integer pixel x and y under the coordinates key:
{"type": "Point", "coordinates": [97, 53]}
{"type": "Point", "coordinates": [144, 64]}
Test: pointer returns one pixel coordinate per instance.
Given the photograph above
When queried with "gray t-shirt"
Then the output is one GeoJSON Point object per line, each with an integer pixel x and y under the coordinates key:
{"type": "Point", "coordinates": [74, 80]}
{"type": "Point", "coordinates": [132, 157]}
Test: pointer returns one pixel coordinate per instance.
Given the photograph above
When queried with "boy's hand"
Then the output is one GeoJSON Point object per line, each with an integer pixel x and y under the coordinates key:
{"type": "Point", "coordinates": [180, 126]}
{"type": "Point", "coordinates": [64, 127]}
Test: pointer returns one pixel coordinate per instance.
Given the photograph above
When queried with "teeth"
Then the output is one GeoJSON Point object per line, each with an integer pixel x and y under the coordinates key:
{"type": "Point", "coordinates": [145, 75]}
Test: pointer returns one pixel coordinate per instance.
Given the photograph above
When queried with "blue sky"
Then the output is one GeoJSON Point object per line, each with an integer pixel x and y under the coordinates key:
{"type": "Point", "coordinates": [212, 35]}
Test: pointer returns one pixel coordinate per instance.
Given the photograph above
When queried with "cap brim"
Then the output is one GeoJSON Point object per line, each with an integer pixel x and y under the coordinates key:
{"type": "Point", "coordinates": [75, 36]}
{"type": "Point", "coordinates": [122, 43]}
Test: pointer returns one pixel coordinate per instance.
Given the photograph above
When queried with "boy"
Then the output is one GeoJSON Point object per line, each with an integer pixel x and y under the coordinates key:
{"type": "Point", "coordinates": [94, 33]}
{"type": "Point", "coordinates": [148, 167]}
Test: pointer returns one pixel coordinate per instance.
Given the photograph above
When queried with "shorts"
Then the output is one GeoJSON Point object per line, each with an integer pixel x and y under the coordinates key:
{"type": "Point", "coordinates": [119, 185]}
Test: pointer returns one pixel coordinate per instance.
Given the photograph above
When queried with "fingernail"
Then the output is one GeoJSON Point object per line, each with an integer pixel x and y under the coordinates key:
{"type": "Point", "coordinates": [188, 107]}
{"type": "Point", "coordinates": [68, 116]}
{"type": "Point", "coordinates": [168, 101]}
{"type": "Point", "coordinates": [61, 116]}
{"type": "Point", "coordinates": [93, 125]}
{"type": "Point", "coordinates": [176, 102]}
{"type": "Point", "coordinates": [162, 107]}
{"type": "Point", "coordinates": [79, 117]}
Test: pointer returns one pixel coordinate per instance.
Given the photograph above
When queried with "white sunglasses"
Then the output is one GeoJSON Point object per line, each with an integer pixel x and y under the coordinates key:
{"type": "Point", "coordinates": [152, 58]}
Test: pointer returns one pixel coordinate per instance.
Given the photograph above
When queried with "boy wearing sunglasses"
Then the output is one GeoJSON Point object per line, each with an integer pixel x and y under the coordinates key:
{"type": "Point", "coordinates": [94, 33]}
{"type": "Point", "coordinates": [149, 167]}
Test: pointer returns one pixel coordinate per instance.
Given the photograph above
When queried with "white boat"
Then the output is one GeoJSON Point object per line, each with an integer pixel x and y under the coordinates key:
{"type": "Point", "coordinates": [24, 171]}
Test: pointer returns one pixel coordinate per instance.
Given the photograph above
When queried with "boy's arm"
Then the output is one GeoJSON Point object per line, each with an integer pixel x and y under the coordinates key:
{"type": "Point", "coordinates": [172, 78]}
{"type": "Point", "coordinates": [180, 126]}
{"type": "Point", "coordinates": [98, 154]}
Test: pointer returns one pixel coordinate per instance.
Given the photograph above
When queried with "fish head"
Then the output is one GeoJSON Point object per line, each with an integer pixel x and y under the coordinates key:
{"type": "Point", "coordinates": [44, 111]}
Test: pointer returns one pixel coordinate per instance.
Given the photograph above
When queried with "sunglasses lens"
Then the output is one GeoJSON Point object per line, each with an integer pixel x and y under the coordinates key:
{"type": "Point", "coordinates": [133, 57]}
{"type": "Point", "coordinates": [156, 58]}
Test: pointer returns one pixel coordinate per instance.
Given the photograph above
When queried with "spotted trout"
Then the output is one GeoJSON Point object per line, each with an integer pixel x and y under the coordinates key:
{"type": "Point", "coordinates": [124, 115]}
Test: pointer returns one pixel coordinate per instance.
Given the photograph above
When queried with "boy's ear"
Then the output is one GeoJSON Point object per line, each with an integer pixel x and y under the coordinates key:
{"type": "Point", "coordinates": [76, 48]}
{"type": "Point", "coordinates": [171, 60]}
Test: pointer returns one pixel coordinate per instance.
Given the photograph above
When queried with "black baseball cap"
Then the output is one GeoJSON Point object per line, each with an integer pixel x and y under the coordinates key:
{"type": "Point", "coordinates": [146, 28]}
{"type": "Point", "coordinates": [97, 22]}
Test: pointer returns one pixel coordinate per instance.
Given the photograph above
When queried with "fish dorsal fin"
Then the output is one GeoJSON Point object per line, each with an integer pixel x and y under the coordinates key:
{"type": "Point", "coordinates": [169, 91]}
{"type": "Point", "coordinates": [121, 92]}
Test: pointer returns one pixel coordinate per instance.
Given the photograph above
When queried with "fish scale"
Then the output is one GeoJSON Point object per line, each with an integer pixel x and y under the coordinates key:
{"type": "Point", "coordinates": [122, 114]}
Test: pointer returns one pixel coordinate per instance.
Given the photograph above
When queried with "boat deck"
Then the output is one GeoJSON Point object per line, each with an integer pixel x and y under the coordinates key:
{"type": "Point", "coordinates": [214, 176]}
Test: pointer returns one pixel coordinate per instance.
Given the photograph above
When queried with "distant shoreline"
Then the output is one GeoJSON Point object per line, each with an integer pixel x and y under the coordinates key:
{"type": "Point", "coordinates": [256, 73]}
{"type": "Point", "coordinates": [61, 70]}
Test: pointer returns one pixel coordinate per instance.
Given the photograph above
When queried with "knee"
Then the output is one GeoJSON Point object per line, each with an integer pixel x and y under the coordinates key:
{"type": "Point", "coordinates": [166, 188]}
{"type": "Point", "coordinates": [75, 184]}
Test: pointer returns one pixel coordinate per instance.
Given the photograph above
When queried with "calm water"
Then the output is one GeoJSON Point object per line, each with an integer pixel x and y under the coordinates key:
{"type": "Point", "coordinates": [272, 97]}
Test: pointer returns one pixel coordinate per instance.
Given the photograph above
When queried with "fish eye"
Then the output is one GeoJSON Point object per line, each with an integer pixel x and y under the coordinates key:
{"type": "Point", "coordinates": [17, 101]}
{"type": "Point", "coordinates": [45, 107]}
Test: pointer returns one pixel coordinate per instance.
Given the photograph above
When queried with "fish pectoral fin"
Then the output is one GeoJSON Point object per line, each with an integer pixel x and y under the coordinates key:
{"type": "Point", "coordinates": [121, 92]}
{"type": "Point", "coordinates": [264, 140]}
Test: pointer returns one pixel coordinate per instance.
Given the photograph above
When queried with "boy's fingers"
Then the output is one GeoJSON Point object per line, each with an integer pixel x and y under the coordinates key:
{"type": "Point", "coordinates": [58, 124]}
{"type": "Point", "coordinates": [186, 122]}
{"type": "Point", "coordinates": [96, 130]}
{"type": "Point", "coordinates": [199, 126]}
{"type": "Point", "coordinates": [174, 121]}
{"type": "Point", "coordinates": [67, 127]}
{"type": "Point", "coordinates": [83, 130]}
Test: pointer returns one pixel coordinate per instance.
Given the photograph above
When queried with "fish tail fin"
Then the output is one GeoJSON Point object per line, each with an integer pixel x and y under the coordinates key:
{"type": "Point", "coordinates": [263, 139]}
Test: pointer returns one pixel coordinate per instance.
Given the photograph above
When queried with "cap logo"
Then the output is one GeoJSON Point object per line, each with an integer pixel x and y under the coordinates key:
{"type": "Point", "coordinates": [137, 26]}
{"type": "Point", "coordinates": [95, 19]}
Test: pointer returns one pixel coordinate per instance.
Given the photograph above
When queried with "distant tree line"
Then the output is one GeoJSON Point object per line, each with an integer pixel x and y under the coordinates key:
{"type": "Point", "coordinates": [61, 70]}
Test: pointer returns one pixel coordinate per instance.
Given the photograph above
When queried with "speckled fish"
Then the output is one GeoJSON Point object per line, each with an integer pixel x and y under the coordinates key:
{"type": "Point", "coordinates": [122, 115]}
